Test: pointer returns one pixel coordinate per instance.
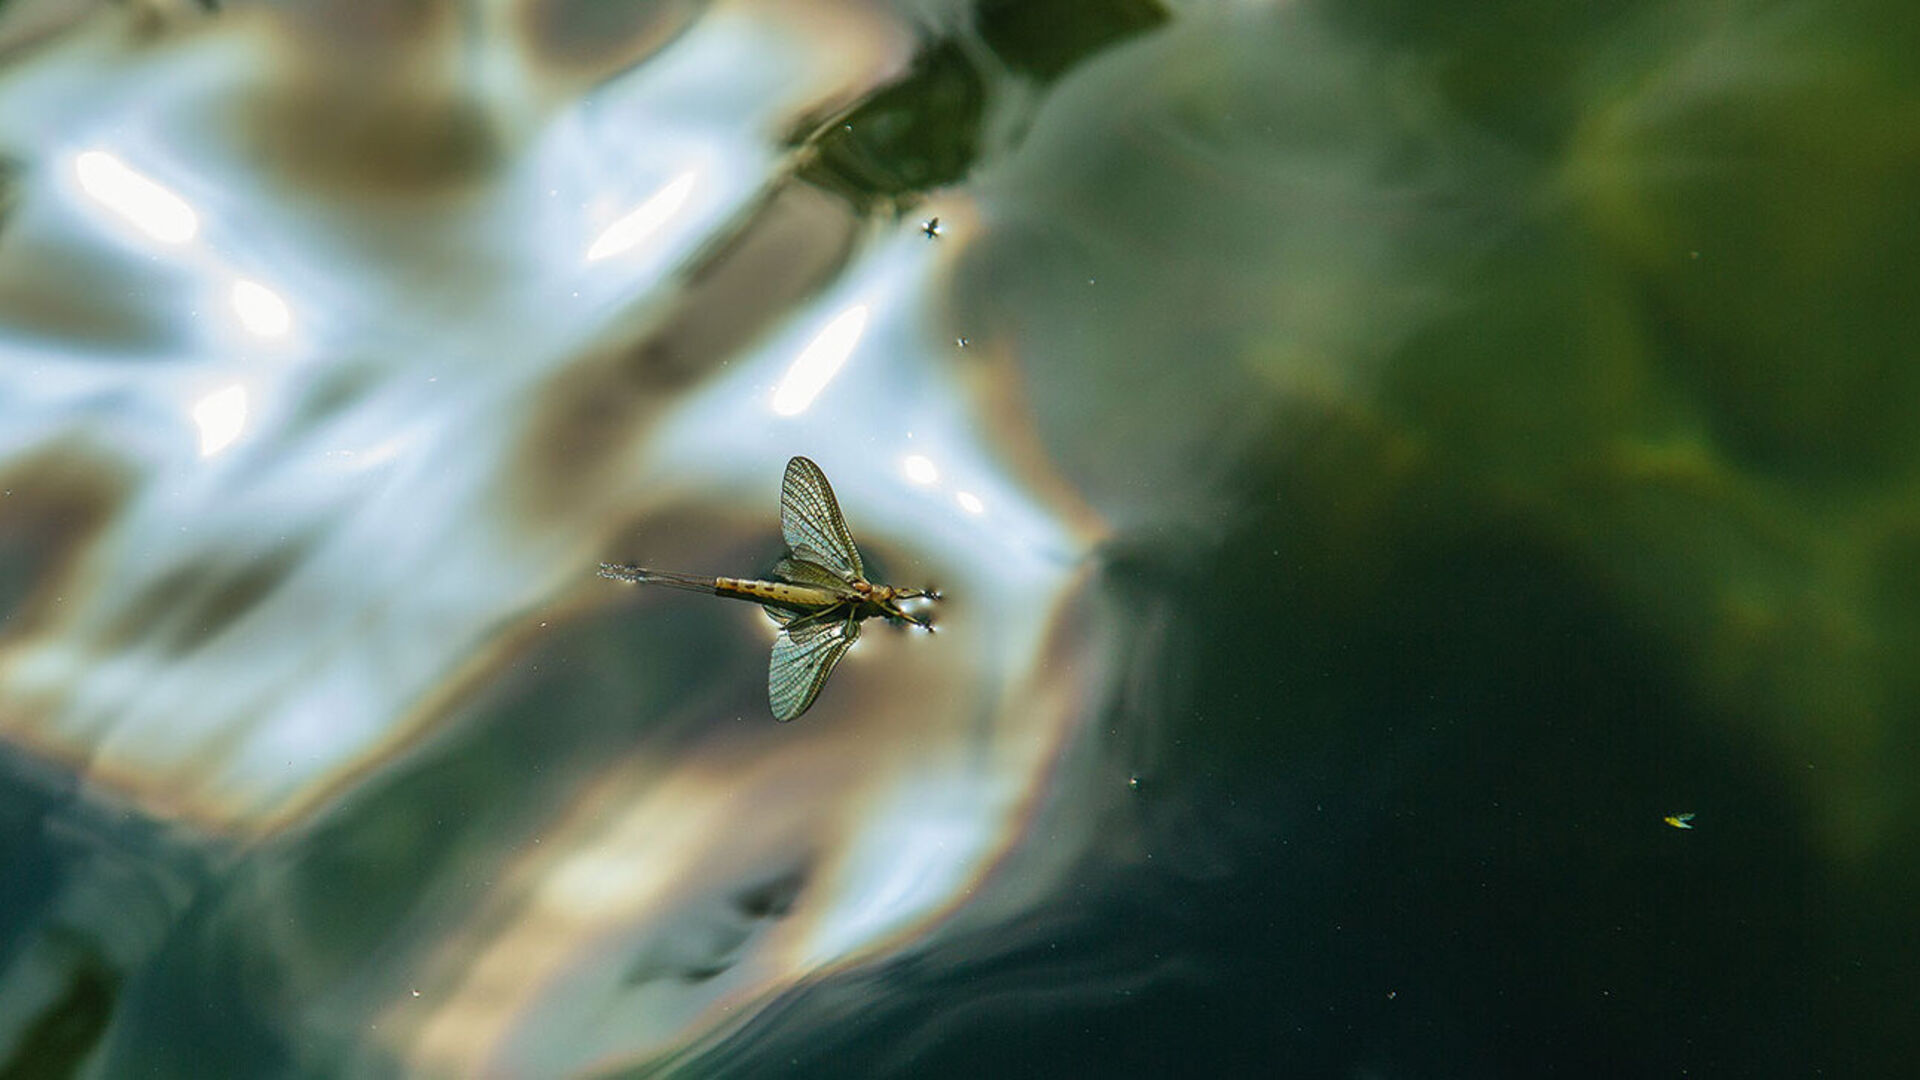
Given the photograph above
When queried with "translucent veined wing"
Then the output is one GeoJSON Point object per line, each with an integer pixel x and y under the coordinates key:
{"type": "Point", "coordinates": [807, 572]}
{"type": "Point", "coordinates": [803, 657]}
{"type": "Point", "coordinates": [810, 519]}
{"type": "Point", "coordinates": [804, 572]}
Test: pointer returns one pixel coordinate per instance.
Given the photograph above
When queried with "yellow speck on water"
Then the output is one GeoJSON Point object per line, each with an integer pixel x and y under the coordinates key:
{"type": "Point", "coordinates": [1679, 821]}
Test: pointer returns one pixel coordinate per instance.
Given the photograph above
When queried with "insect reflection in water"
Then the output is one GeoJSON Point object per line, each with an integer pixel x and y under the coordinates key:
{"type": "Point", "coordinates": [819, 600]}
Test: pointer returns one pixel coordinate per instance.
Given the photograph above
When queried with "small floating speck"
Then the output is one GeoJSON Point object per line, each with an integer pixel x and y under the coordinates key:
{"type": "Point", "coordinates": [1679, 821]}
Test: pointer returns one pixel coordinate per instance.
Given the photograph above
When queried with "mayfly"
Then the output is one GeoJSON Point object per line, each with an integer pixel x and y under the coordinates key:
{"type": "Point", "coordinates": [820, 599]}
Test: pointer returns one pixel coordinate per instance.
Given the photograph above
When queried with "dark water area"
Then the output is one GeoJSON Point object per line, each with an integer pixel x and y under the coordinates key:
{"type": "Point", "coordinates": [1426, 502]}
{"type": "Point", "coordinates": [1459, 870]}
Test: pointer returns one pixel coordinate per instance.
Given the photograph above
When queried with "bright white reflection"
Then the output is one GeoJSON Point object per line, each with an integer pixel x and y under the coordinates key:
{"type": "Point", "coordinates": [645, 220]}
{"type": "Point", "coordinates": [919, 470]}
{"type": "Point", "coordinates": [900, 868]}
{"type": "Point", "coordinates": [220, 416]}
{"type": "Point", "coordinates": [260, 309]}
{"type": "Point", "coordinates": [151, 208]}
{"type": "Point", "coordinates": [819, 362]}
{"type": "Point", "coordinates": [969, 502]}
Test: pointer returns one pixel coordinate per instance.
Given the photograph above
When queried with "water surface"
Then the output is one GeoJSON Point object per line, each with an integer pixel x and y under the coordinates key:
{"type": "Point", "coordinates": [1379, 465]}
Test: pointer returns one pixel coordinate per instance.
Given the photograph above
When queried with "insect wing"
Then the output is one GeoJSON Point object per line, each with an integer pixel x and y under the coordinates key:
{"type": "Point", "coordinates": [807, 572]}
{"type": "Point", "coordinates": [803, 657]}
{"type": "Point", "coordinates": [810, 519]}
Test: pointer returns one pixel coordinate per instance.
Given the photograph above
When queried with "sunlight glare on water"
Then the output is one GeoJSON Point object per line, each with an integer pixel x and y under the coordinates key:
{"type": "Point", "coordinates": [644, 220]}
{"type": "Point", "coordinates": [140, 201]}
{"type": "Point", "coordinates": [220, 416]}
{"type": "Point", "coordinates": [918, 469]}
{"type": "Point", "coordinates": [820, 361]}
{"type": "Point", "coordinates": [261, 310]}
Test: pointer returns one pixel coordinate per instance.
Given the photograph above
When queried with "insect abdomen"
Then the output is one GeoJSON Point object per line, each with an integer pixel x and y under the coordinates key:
{"type": "Point", "coordinates": [776, 592]}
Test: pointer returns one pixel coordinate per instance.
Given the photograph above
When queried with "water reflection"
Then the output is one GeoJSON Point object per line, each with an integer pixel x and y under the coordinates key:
{"type": "Point", "coordinates": [635, 227]}
{"type": "Point", "coordinates": [316, 592]}
{"type": "Point", "coordinates": [141, 202]}
{"type": "Point", "coordinates": [819, 361]}
{"type": "Point", "coordinates": [220, 417]}
{"type": "Point", "coordinates": [260, 309]}
{"type": "Point", "coordinates": [919, 470]}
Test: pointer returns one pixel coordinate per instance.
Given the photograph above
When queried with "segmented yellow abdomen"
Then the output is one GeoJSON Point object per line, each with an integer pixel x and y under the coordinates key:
{"type": "Point", "coordinates": [776, 592]}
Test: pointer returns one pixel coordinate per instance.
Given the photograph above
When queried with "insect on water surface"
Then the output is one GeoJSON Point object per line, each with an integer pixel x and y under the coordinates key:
{"type": "Point", "coordinates": [820, 599]}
